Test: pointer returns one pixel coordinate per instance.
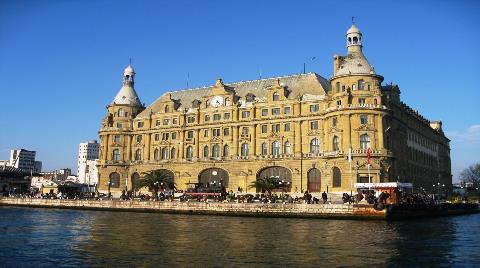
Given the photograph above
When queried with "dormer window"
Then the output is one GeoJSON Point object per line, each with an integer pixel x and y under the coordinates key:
{"type": "Point", "coordinates": [195, 103]}
{"type": "Point", "coordinates": [140, 124]}
{"type": "Point", "coordinates": [121, 112]}
{"type": "Point", "coordinates": [167, 109]}
{"type": "Point", "coordinates": [276, 96]}
{"type": "Point", "coordinates": [250, 97]}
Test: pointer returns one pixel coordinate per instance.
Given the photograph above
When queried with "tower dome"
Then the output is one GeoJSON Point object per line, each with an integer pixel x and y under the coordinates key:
{"type": "Point", "coordinates": [127, 94]}
{"type": "Point", "coordinates": [354, 40]}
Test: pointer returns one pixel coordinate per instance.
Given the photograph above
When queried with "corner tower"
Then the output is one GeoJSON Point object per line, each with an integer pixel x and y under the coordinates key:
{"type": "Point", "coordinates": [117, 125]}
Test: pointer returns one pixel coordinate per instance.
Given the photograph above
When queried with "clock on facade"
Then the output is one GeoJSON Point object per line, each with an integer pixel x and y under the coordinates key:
{"type": "Point", "coordinates": [216, 101]}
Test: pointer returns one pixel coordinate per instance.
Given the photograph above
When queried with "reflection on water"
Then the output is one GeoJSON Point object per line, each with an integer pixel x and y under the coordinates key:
{"type": "Point", "coordinates": [46, 237]}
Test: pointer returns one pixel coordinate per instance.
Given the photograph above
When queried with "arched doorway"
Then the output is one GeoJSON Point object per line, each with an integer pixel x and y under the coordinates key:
{"type": "Point", "coordinates": [314, 180]}
{"type": "Point", "coordinates": [282, 173]}
{"type": "Point", "coordinates": [135, 178]}
{"type": "Point", "coordinates": [114, 180]}
{"type": "Point", "coordinates": [337, 177]}
{"type": "Point", "coordinates": [214, 176]}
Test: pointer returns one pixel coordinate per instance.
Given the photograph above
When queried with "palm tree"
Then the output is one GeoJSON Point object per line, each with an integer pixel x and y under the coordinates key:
{"type": "Point", "coordinates": [156, 180]}
{"type": "Point", "coordinates": [268, 184]}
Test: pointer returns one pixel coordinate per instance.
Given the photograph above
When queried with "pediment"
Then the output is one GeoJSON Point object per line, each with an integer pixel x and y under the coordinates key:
{"type": "Point", "coordinates": [274, 135]}
{"type": "Point", "coordinates": [335, 130]}
{"type": "Point", "coordinates": [315, 132]}
{"type": "Point", "coordinates": [365, 127]}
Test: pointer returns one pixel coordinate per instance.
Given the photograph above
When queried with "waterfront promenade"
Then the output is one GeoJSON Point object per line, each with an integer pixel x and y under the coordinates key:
{"type": "Point", "coordinates": [346, 211]}
{"type": "Point", "coordinates": [287, 210]}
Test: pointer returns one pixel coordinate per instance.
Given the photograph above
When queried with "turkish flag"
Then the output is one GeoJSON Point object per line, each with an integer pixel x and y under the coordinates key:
{"type": "Point", "coordinates": [368, 156]}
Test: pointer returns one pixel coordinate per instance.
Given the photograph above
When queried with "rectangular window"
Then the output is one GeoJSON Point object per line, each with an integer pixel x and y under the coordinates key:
{"type": "Point", "coordinates": [275, 111]}
{"type": "Point", "coordinates": [314, 125]}
{"type": "Point", "coordinates": [216, 132]}
{"type": "Point", "coordinates": [264, 128]}
{"type": "Point", "coordinates": [264, 112]}
{"type": "Point", "coordinates": [175, 121]}
{"type": "Point", "coordinates": [275, 127]}
{"type": "Point", "coordinates": [166, 121]}
{"type": "Point", "coordinates": [190, 135]}
{"type": "Point", "coordinates": [361, 101]}
{"type": "Point", "coordinates": [140, 124]}
{"type": "Point", "coordinates": [119, 125]}
{"type": "Point", "coordinates": [226, 132]}
{"type": "Point", "coordinates": [226, 116]}
{"type": "Point", "coordinates": [157, 137]}
{"type": "Point", "coordinates": [337, 86]}
{"type": "Point", "coordinates": [245, 114]}
{"type": "Point", "coordinates": [191, 119]}
{"type": "Point", "coordinates": [245, 130]}
{"type": "Point", "coordinates": [207, 118]}
{"type": "Point", "coordinates": [363, 119]}
{"type": "Point", "coordinates": [314, 108]}
{"type": "Point", "coordinates": [165, 136]}
{"type": "Point", "coordinates": [287, 127]}
{"type": "Point", "coordinates": [205, 133]}
{"type": "Point", "coordinates": [216, 117]}
{"type": "Point", "coordinates": [287, 110]}
{"type": "Point", "coordinates": [334, 121]}
{"type": "Point", "coordinates": [174, 135]}
{"type": "Point", "coordinates": [339, 102]}
{"type": "Point", "coordinates": [116, 139]}
{"type": "Point", "coordinates": [157, 123]}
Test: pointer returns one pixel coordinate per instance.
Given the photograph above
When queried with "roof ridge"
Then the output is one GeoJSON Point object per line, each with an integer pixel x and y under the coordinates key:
{"type": "Point", "coordinates": [243, 82]}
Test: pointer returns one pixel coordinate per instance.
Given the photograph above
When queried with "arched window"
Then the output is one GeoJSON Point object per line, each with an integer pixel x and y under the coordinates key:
{"type": "Point", "coordinates": [287, 149]}
{"type": "Point", "coordinates": [337, 177]}
{"type": "Point", "coordinates": [216, 150]}
{"type": "Point", "coordinates": [227, 101]}
{"type": "Point", "coordinates": [276, 96]}
{"type": "Point", "coordinates": [116, 155]}
{"type": "Point", "coordinates": [155, 154]}
{"type": "Point", "coordinates": [355, 40]}
{"type": "Point", "coordinates": [189, 152]}
{"type": "Point", "coordinates": [354, 87]}
{"type": "Point", "coordinates": [364, 141]}
{"type": "Point", "coordinates": [264, 149]}
{"type": "Point", "coordinates": [361, 84]}
{"type": "Point", "coordinates": [138, 154]}
{"type": "Point", "coordinates": [164, 153]}
{"type": "Point", "coordinates": [139, 138]}
{"type": "Point", "coordinates": [173, 153]}
{"type": "Point", "coordinates": [205, 151]}
{"type": "Point", "coordinates": [225, 150]}
{"type": "Point", "coordinates": [275, 148]}
{"type": "Point", "coordinates": [375, 101]}
{"type": "Point", "coordinates": [315, 146]}
{"type": "Point", "coordinates": [167, 108]}
{"type": "Point", "coordinates": [114, 180]}
{"type": "Point", "coordinates": [244, 150]}
{"type": "Point", "coordinates": [121, 112]}
{"type": "Point", "coordinates": [349, 40]}
{"type": "Point", "coordinates": [335, 143]}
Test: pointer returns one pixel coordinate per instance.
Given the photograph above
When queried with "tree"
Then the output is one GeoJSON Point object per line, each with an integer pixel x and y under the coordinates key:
{"type": "Point", "coordinates": [471, 175]}
{"type": "Point", "coordinates": [268, 184]}
{"type": "Point", "coordinates": [156, 180]}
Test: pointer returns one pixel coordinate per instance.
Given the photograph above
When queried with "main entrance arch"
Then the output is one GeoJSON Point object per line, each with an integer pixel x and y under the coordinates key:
{"type": "Point", "coordinates": [213, 176]}
{"type": "Point", "coordinates": [282, 173]}
{"type": "Point", "coordinates": [314, 181]}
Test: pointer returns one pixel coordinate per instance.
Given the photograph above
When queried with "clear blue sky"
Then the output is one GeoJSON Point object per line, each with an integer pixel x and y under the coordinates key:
{"type": "Point", "coordinates": [61, 62]}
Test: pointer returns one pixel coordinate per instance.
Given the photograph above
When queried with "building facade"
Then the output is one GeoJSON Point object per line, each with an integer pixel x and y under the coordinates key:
{"type": "Point", "coordinates": [300, 128]}
{"type": "Point", "coordinates": [87, 154]}
{"type": "Point", "coordinates": [25, 160]}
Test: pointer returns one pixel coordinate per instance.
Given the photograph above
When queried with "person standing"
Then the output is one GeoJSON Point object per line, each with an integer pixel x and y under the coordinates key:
{"type": "Point", "coordinates": [324, 197]}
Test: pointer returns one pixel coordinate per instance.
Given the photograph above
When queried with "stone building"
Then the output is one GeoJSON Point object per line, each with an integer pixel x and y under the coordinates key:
{"type": "Point", "coordinates": [299, 127]}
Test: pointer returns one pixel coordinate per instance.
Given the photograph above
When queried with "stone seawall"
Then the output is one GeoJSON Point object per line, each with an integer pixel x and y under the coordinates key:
{"type": "Point", "coordinates": [227, 209]}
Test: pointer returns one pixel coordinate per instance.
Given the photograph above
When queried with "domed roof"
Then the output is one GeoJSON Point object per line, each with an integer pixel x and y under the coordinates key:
{"type": "Point", "coordinates": [353, 29]}
{"type": "Point", "coordinates": [129, 70]}
{"type": "Point", "coordinates": [354, 63]}
{"type": "Point", "coordinates": [127, 95]}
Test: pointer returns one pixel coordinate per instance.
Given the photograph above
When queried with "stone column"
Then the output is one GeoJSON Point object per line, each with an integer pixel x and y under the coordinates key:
{"type": "Point", "coordinates": [146, 155]}
{"type": "Point", "coordinates": [196, 154]}
{"type": "Point", "coordinates": [182, 143]}
{"type": "Point", "coordinates": [380, 132]}
{"type": "Point", "coordinates": [128, 148]}
{"type": "Point", "coordinates": [235, 140]}
{"type": "Point", "coordinates": [348, 133]}
{"type": "Point", "coordinates": [253, 143]}
{"type": "Point", "coordinates": [298, 138]}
